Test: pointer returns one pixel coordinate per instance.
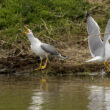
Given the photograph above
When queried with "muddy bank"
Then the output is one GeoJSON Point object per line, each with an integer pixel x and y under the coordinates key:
{"type": "Point", "coordinates": [24, 64]}
{"type": "Point", "coordinates": [23, 61]}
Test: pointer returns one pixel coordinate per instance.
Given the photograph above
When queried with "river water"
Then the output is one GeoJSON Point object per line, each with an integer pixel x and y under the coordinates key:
{"type": "Point", "coordinates": [56, 93]}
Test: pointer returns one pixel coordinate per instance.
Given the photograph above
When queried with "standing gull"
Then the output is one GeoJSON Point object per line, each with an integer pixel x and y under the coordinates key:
{"type": "Point", "coordinates": [100, 50]}
{"type": "Point", "coordinates": [41, 49]}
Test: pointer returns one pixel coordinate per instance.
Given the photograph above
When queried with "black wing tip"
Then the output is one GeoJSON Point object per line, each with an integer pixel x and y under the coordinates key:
{"type": "Point", "coordinates": [87, 14]}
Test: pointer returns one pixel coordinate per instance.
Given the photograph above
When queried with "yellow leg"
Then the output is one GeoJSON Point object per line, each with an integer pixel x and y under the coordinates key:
{"type": "Point", "coordinates": [107, 66]}
{"type": "Point", "coordinates": [40, 65]}
{"type": "Point", "coordinates": [45, 65]}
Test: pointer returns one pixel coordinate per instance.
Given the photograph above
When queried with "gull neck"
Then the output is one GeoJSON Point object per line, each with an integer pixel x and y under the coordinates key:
{"type": "Point", "coordinates": [32, 39]}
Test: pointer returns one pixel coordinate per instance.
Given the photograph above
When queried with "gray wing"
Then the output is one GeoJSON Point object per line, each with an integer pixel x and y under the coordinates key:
{"type": "Point", "coordinates": [107, 30]}
{"type": "Point", "coordinates": [49, 49]}
{"type": "Point", "coordinates": [95, 43]}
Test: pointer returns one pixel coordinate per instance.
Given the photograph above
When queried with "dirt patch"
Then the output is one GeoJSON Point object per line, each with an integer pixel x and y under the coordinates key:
{"type": "Point", "coordinates": [26, 63]}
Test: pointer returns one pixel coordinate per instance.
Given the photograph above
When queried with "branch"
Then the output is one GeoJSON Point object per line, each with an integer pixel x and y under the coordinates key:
{"type": "Point", "coordinates": [94, 35]}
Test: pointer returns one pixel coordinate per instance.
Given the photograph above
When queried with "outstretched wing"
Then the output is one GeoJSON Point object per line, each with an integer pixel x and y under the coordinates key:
{"type": "Point", "coordinates": [107, 32]}
{"type": "Point", "coordinates": [106, 40]}
{"type": "Point", "coordinates": [94, 41]}
{"type": "Point", "coordinates": [49, 49]}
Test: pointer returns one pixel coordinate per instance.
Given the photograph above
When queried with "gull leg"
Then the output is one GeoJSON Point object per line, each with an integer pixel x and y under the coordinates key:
{"type": "Point", "coordinates": [106, 83]}
{"type": "Point", "coordinates": [40, 65]}
{"type": "Point", "coordinates": [45, 65]}
{"type": "Point", "coordinates": [107, 66]}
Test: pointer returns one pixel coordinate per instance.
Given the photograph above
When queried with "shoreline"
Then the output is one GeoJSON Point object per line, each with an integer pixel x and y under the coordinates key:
{"type": "Point", "coordinates": [26, 64]}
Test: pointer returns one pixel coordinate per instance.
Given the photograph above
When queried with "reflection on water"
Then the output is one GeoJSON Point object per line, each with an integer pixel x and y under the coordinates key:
{"type": "Point", "coordinates": [61, 95]}
{"type": "Point", "coordinates": [37, 100]}
{"type": "Point", "coordinates": [99, 98]}
{"type": "Point", "coordinates": [56, 94]}
{"type": "Point", "coordinates": [43, 84]}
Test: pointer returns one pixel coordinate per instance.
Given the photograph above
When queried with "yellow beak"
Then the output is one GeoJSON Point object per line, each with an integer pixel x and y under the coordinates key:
{"type": "Point", "coordinates": [27, 30]}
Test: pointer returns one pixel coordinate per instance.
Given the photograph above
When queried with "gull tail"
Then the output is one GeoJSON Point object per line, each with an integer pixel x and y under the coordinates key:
{"type": "Point", "coordinates": [95, 59]}
{"type": "Point", "coordinates": [63, 57]}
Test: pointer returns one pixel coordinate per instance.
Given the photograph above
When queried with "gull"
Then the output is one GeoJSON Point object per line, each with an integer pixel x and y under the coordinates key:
{"type": "Point", "coordinates": [100, 50]}
{"type": "Point", "coordinates": [41, 49]}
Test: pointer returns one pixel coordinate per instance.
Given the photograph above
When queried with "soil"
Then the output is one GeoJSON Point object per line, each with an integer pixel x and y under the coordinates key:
{"type": "Point", "coordinates": [17, 62]}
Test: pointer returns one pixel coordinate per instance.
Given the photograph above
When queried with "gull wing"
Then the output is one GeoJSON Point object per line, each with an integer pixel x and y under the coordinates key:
{"type": "Point", "coordinates": [95, 43]}
{"type": "Point", "coordinates": [49, 49]}
{"type": "Point", "coordinates": [107, 32]}
{"type": "Point", "coordinates": [106, 42]}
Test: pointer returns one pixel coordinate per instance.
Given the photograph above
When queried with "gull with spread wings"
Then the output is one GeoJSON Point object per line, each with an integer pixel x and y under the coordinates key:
{"type": "Point", "coordinates": [100, 50]}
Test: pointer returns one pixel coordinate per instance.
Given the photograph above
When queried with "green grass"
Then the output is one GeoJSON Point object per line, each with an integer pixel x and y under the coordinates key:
{"type": "Point", "coordinates": [53, 18]}
{"type": "Point", "coordinates": [48, 17]}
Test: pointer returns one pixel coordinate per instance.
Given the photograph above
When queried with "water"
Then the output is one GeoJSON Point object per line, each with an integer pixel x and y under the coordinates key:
{"type": "Point", "coordinates": [29, 93]}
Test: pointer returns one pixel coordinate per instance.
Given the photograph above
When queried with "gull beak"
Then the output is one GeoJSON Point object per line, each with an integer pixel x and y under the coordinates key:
{"type": "Point", "coordinates": [27, 30]}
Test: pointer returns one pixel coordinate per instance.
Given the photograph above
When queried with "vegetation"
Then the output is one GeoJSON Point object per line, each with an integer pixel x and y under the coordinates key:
{"type": "Point", "coordinates": [51, 18]}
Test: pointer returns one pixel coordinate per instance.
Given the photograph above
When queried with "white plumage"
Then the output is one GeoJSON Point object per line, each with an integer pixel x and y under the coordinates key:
{"type": "Point", "coordinates": [41, 49]}
{"type": "Point", "coordinates": [100, 50]}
